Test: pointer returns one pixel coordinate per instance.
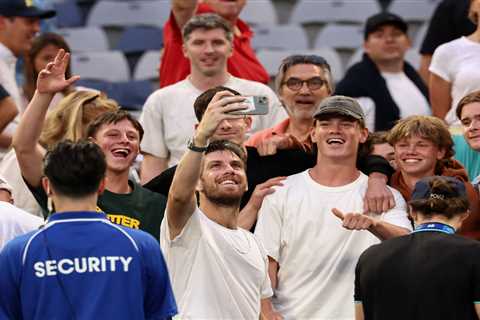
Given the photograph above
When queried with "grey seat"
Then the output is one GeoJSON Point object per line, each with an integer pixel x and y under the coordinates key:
{"type": "Point", "coordinates": [129, 13]}
{"type": "Point", "coordinates": [85, 39]}
{"type": "Point", "coordinates": [259, 12]}
{"type": "Point", "coordinates": [284, 37]}
{"type": "Point", "coordinates": [108, 65]}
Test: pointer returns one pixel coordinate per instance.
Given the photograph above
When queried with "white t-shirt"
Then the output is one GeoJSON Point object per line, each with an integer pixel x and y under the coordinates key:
{"type": "Point", "coordinates": [22, 197]}
{"type": "Point", "coordinates": [216, 272]}
{"type": "Point", "coordinates": [316, 255]}
{"type": "Point", "coordinates": [408, 98]}
{"type": "Point", "coordinates": [406, 95]}
{"type": "Point", "coordinates": [169, 119]}
{"type": "Point", "coordinates": [15, 222]}
{"type": "Point", "coordinates": [458, 62]}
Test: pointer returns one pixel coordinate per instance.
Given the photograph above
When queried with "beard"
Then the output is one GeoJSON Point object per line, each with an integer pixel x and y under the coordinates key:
{"type": "Point", "coordinates": [223, 199]}
{"type": "Point", "coordinates": [229, 200]}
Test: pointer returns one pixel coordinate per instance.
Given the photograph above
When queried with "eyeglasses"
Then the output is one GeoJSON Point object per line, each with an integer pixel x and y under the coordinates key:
{"type": "Point", "coordinates": [296, 84]}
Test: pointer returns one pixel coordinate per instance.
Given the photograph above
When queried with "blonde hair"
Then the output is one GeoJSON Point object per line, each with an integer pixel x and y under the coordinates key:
{"type": "Point", "coordinates": [70, 118]}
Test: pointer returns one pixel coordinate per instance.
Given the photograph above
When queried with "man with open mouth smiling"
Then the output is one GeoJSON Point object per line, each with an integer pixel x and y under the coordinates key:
{"type": "Point", "coordinates": [305, 224]}
{"type": "Point", "coordinates": [423, 148]}
{"type": "Point", "coordinates": [117, 133]}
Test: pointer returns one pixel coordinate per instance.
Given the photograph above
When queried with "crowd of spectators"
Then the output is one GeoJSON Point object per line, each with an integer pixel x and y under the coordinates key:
{"type": "Point", "coordinates": [314, 200]}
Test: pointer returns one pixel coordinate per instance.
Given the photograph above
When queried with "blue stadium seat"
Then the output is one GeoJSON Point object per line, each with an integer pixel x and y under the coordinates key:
{"type": "Point", "coordinates": [68, 15]}
{"type": "Point", "coordinates": [130, 95]}
{"type": "Point", "coordinates": [137, 39]}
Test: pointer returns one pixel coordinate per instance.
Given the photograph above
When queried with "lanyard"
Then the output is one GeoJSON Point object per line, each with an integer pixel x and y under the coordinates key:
{"type": "Point", "coordinates": [435, 226]}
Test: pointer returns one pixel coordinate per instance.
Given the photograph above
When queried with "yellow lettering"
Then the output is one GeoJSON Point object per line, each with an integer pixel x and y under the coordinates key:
{"type": "Point", "coordinates": [29, 3]}
{"type": "Point", "coordinates": [124, 221]}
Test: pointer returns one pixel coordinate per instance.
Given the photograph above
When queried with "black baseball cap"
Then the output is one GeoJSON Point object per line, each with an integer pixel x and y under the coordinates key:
{"type": "Point", "coordinates": [383, 18]}
{"type": "Point", "coordinates": [23, 8]}
{"type": "Point", "coordinates": [423, 189]}
{"type": "Point", "coordinates": [341, 105]}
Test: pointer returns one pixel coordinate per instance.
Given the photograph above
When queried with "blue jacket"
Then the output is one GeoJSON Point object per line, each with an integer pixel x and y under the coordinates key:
{"type": "Point", "coordinates": [81, 266]}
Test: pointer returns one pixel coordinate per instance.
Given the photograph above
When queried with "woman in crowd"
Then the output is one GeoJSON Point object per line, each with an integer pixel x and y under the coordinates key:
{"type": "Point", "coordinates": [44, 48]}
{"type": "Point", "coordinates": [455, 70]}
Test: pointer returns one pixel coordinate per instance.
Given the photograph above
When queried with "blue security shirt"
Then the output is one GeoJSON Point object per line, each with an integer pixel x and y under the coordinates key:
{"type": "Point", "coordinates": [82, 266]}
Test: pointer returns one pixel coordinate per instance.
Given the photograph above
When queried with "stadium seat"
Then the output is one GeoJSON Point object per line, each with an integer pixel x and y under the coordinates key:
{"type": "Point", "coordinates": [271, 59]}
{"type": "Point", "coordinates": [148, 66]}
{"type": "Point", "coordinates": [85, 39]}
{"type": "Point", "coordinates": [413, 11]}
{"type": "Point", "coordinates": [68, 15]}
{"type": "Point", "coordinates": [137, 39]}
{"type": "Point", "coordinates": [130, 95]}
{"type": "Point", "coordinates": [421, 33]}
{"type": "Point", "coordinates": [307, 11]}
{"type": "Point", "coordinates": [279, 37]}
{"type": "Point", "coordinates": [109, 66]}
{"type": "Point", "coordinates": [129, 13]}
{"type": "Point", "coordinates": [338, 36]}
{"type": "Point", "coordinates": [259, 12]}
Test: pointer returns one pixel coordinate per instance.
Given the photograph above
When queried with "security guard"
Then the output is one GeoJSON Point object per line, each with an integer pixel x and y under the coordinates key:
{"type": "Point", "coordinates": [90, 267]}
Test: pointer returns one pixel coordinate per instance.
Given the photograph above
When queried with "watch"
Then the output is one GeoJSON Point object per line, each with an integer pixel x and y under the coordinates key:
{"type": "Point", "coordinates": [191, 145]}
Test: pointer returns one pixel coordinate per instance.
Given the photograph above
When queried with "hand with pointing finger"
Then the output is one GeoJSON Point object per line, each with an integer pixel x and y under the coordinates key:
{"type": "Point", "coordinates": [354, 221]}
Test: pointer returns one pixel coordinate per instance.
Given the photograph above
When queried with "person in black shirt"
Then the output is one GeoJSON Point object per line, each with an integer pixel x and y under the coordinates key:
{"type": "Point", "coordinates": [431, 273]}
{"type": "Point", "coordinates": [449, 22]}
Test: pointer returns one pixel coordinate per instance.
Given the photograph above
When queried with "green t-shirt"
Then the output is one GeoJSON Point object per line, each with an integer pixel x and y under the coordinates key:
{"type": "Point", "coordinates": [141, 209]}
{"type": "Point", "coordinates": [468, 157]}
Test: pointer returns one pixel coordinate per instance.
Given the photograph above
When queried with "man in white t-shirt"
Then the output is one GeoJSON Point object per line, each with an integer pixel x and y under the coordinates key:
{"type": "Point", "coordinates": [388, 87]}
{"type": "Point", "coordinates": [168, 116]}
{"type": "Point", "coordinates": [312, 253]}
{"type": "Point", "coordinates": [218, 270]}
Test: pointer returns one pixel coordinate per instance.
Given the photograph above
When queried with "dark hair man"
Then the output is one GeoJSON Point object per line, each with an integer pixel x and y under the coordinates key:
{"type": "Point", "coordinates": [117, 133]}
{"type": "Point", "coordinates": [167, 115]}
{"type": "Point", "coordinates": [431, 273]}
{"type": "Point", "coordinates": [243, 63]}
{"type": "Point", "coordinates": [79, 259]}
{"type": "Point", "coordinates": [389, 86]}
{"type": "Point", "coordinates": [218, 270]}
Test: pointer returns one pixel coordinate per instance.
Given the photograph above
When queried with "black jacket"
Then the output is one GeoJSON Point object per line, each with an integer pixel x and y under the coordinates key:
{"type": "Point", "coordinates": [363, 79]}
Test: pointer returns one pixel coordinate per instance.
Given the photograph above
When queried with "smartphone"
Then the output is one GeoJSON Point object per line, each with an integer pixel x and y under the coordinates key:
{"type": "Point", "coordinates": [257, 105]}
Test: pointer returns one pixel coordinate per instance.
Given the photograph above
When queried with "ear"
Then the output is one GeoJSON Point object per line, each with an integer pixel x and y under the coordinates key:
{"type": "Point", "coordinates": [101, 186]}
{"type": "Point", "coordinates": [464, 216]}
{"type": "Point", "coordinates": [46, 186]}
{"type": "Point", "coordinates": [440, 154]}
{"type": "Point", "coordinates": [363, 135]}
{"type": "Point", "coordinates": [312, 131]}
{"type": "Point", "coordinates": [184, 50]}
{"type": "Point", "coordinates": [199, 186]}
{"type": "Point", "coordinates": [248, 122]}
{"type": "Point", "coordinates": [366, 47]}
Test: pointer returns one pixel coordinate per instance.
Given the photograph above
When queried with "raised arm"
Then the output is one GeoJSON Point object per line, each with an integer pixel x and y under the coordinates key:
{"type": "Point", "coordinates": [181, 198]}
{"type": "Point", "coordinates": [183, 10]}
{"type": "Point", "coordinates": [25, 140]}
